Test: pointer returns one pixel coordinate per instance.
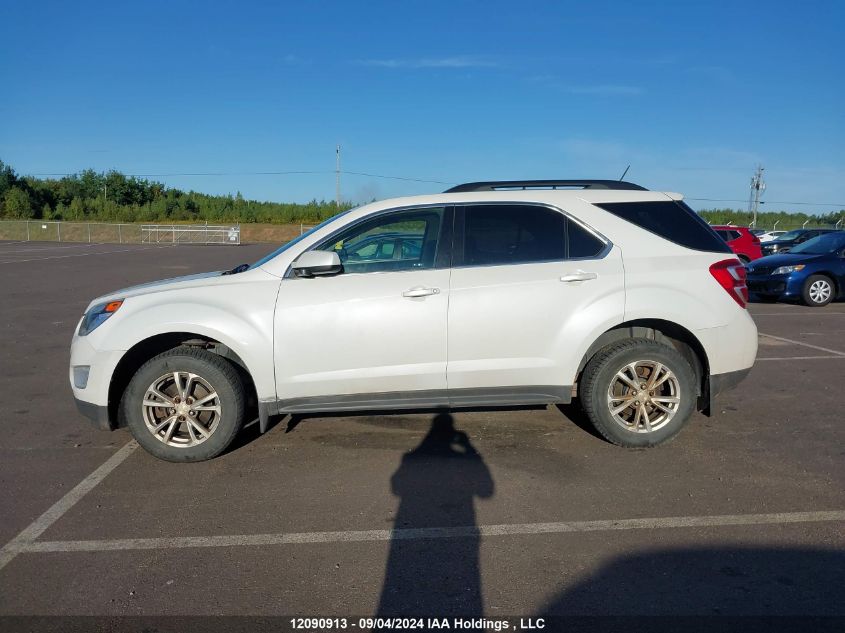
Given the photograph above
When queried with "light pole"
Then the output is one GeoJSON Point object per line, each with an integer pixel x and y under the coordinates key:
{"type": "Point", "coordinates": [757, 188]}
{"type": "Point", "coordinates": [337, 177]}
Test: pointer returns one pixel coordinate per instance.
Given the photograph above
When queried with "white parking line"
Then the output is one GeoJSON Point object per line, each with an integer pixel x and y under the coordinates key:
{"type": "Point", "coordinates": [802, 358]}
{"type": "Point", "coordinates": [803, 313]}
{"type": "Point", "coordinates": [789, 340]}
{"type": "Point", "coordinates": [517, 529]}
{"type": "Point", "coordinates": [38, 259]}
{"type": "Point", "coordinates": [25, 539]}
{"type": "Point", "coordinates": [59, 246]}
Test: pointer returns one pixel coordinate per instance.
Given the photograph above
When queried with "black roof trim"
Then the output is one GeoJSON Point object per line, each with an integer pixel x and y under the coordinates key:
{"type": "Point", "coordinates": [499, 185]}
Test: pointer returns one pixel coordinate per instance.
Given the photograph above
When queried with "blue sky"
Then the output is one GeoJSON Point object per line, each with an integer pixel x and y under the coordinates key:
{"type": "Point", "coordinates": [692, 94]}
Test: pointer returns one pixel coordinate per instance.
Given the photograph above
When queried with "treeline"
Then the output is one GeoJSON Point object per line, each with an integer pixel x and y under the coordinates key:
{"type": "Point", "coordinates": [114, 197]}
{"type": "Point", "coordinates": [767, 220]}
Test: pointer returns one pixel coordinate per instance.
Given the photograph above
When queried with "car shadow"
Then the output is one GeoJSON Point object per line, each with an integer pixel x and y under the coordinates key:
{"type": "Point", "coordinates": [250, 432]}
{"type": "Point", "coordinates": [295, 419]}
{"type": "Point", "coordinates": [575, 414]}
{"type": "Point", "coordinates": [707, 588]}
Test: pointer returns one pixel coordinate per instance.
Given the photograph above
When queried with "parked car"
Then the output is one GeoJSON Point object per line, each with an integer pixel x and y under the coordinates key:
{"type": "Point", "coordinates": [382, 247]}
{"type": "Point", "coordinates": [741, 241]}
{"type": "Point", "coordinates": [813, 272]}
{"type": "Point", "coordinates": [767, 236]}
{"type": "Point", "coordinates": [523, 292]}
{"type": "Point", "coordinates": [784, 243]}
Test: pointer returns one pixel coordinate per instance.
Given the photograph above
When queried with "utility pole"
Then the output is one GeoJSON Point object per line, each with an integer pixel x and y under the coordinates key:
{"type": "Point", "coordinates": [337, 177]}
{"type": "Point", "coordinates": [757, 189]}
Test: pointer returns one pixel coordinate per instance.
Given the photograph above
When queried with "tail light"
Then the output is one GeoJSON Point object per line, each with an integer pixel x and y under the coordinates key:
{"type": "Point", "coordinates": [730, 273]}
{"type": "Point", "coordinates": [755, 239]}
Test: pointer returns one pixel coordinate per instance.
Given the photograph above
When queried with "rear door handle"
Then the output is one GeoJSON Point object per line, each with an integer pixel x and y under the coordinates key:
{"type": "Point", "coordinates": [420, 291]}
{"type": "Point", "coordinates": [578, 275]}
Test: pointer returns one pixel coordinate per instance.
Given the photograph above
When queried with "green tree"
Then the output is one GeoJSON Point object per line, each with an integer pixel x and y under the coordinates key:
{"type": "Point", "coordinates": [76, 210]}
{"type": "Point", "coordinates": [17, 204]}
{"type": "Point", "coordinates": [7, 179]}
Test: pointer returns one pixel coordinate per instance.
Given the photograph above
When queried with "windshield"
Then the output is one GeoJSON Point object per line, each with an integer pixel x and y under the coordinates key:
{"type": "Point", "coordinates": [789, 235]}
{"type": "Point", "coordinates": [297, 239]}
{"type": "Point", "coordinates": [823, 244]}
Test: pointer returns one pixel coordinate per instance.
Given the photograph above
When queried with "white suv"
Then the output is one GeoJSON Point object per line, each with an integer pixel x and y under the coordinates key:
{"type": "Point", "coordinates": [497, 293]}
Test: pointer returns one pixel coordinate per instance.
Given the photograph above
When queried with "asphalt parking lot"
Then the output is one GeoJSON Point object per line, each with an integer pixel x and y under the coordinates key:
{"type": "Point", "coordinates": [525, 514]}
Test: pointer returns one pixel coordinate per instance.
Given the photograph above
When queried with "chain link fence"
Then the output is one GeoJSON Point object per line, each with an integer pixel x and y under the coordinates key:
{"type": "Point", "coordinates": [94, 232]}
{"type": "Point", "coordinates": [190, 234]}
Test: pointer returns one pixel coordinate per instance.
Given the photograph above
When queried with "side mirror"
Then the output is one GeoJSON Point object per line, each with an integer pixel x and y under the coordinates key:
{"type": "Point", "coordinates": [315, 263]}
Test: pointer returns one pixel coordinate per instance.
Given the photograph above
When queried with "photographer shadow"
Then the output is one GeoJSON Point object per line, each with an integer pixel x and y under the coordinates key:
{"type": "Point", "coordinates": [437, 483]}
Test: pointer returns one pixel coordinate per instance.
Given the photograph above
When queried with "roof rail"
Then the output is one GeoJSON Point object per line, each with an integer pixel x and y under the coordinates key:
{"type": "Point", "coordinates": [500, 185]}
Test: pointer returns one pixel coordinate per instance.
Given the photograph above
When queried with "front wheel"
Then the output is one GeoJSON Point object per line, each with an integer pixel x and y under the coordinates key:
{"type": "Point", "coordinates": [185, 405]}
{"type": "Point", "coordinates": [638, 392]}
{"type": "Point", "coordinates": [818, 291]}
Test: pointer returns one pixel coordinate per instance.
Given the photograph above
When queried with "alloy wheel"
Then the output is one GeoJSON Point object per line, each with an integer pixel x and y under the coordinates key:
{"type": "Point", "coordinates": [181, 409]}
{"type": "Point", "coordinates": [644, 396]}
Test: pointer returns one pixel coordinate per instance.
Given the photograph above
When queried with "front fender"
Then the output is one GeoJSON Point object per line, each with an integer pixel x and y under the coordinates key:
{"type": "Point", "coordinates": [239, 316]}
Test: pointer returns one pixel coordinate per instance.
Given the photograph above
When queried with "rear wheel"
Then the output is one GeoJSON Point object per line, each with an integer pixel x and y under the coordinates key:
{"type": "Point", "coordinates": [818, 291]}
{"type": "Point", "coordinates": [185, 405]}
{"type": "Point", "coordinates": [638, 392]}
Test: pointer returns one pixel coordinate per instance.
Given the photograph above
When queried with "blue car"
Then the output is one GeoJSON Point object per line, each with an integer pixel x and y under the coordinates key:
{"type": "Point", "coordinates": [812, 272]}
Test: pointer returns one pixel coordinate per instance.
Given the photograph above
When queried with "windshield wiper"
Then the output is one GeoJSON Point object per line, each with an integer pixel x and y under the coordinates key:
{"type": "Point", "coordinates": [237, 269]}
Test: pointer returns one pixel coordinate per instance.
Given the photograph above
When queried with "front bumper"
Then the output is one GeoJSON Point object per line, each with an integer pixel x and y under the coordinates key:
{"type": "Point", "coordinates": [97, 414]}
{"type": "Point", "coordinates": [92, 394]}
{"type": "Point", "coordinates": [775, 286]}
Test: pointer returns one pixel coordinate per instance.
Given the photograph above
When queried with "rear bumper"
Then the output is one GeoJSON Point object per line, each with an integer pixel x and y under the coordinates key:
{"type": "Point", "coordinates": [97, 414]}
{"type": "Point", "coordinates": [719, 384]}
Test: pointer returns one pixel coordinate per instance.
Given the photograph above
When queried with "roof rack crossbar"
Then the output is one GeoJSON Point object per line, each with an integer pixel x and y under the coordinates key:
{"type": "Point", "coordinates": [500, 185]}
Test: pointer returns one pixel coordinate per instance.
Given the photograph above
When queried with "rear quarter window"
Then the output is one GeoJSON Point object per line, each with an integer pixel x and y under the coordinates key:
{"type": "Point", "coordinates": [671, 220]}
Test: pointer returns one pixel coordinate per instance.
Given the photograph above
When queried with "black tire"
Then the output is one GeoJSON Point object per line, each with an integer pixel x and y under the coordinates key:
{"type": "Point", "coordinates": [218, 373]}
{"type": "Point", "coordinates": [815, 285]}
{"type": "Point", "coordinates": [600, 375]}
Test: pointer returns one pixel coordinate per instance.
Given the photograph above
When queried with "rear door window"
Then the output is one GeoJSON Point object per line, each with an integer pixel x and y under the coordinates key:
{"type": "Point", "coordinates": [728, 235]}
{"type": "Point", "coordinates": [502, 234]}
{"type": "Point", "coordinates": [512, 234]}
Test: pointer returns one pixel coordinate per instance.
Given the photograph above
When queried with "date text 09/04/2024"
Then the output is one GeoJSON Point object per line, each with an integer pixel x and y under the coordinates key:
{"type": "Point", "coordinates": [411, 624]}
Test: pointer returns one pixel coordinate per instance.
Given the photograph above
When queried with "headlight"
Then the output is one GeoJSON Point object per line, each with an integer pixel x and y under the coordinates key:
{"type": "Point", "coordinates": [97, 315]}
{"type": "Point", "coordinates": [785, 270]}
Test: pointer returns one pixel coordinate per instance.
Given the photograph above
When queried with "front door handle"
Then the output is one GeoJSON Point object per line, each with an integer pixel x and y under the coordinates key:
{"type": "Point", "coordinates": [420, 291]}
{"type": "Point", "coordinates": [578, 275]}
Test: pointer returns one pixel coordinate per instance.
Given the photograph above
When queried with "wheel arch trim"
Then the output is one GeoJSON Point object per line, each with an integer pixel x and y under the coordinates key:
{"type": "Point", "coordinates": [667, 332]}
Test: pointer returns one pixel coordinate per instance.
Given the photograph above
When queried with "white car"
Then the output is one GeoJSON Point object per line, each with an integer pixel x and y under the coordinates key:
{"type": "Point", "coordinates": [503, 293]}
{"type": "Point", "coordinates": [768, 236]}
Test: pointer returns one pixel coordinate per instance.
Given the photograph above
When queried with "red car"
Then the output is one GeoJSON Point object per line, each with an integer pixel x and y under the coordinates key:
{"type": "Point", "coordinates": [741, 241]}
